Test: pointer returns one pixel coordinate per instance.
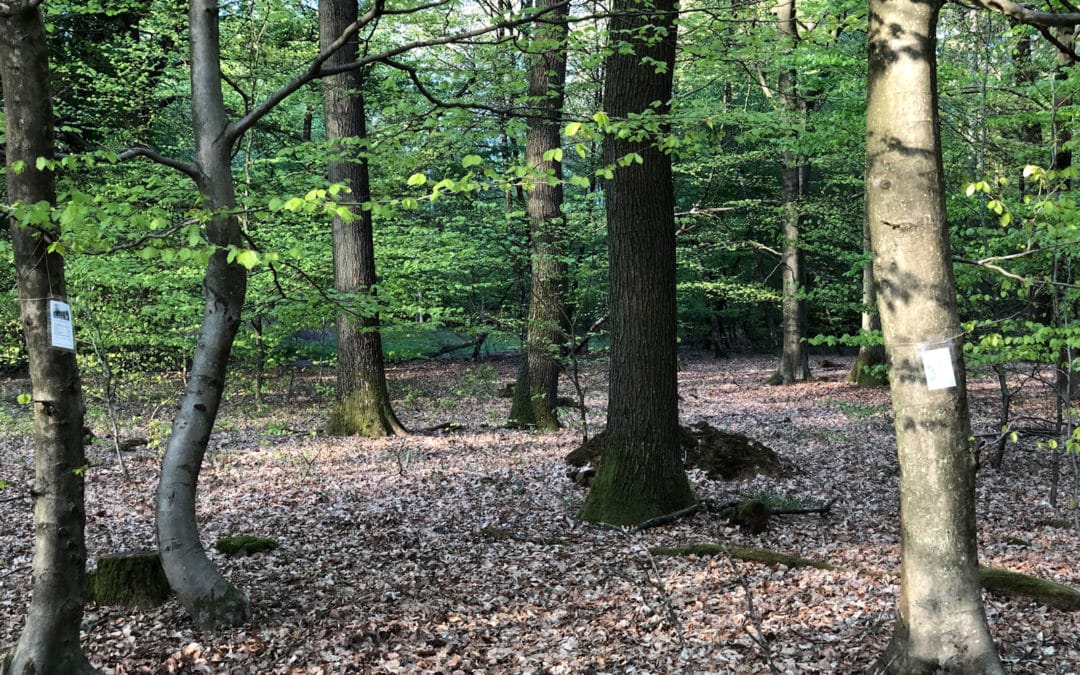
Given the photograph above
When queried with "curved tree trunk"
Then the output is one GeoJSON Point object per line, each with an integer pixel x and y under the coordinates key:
{"type": "Point", "coordinates": [362, 406]}
{"type": "Point", "coordinates": [536, 393]}
{"type": "Point", "coordinates": [941, 625]}
{"type": "Point", "coordinates": [49, 642]}
{"type": "Point", "coordinates": [207, 596]}
{"type": "Point", "coordinates": [640, 475]}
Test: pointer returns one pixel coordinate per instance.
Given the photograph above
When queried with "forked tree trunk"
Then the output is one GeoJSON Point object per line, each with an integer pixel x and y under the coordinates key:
{"type": "Point", "coordinates": [536, 393]}
{"type": "Point", "coordinates": [207, 596]}
{"type": "Point", "coordinates": [49, 642]}
{"type": "Point", "coordinates": [794, 359]}
{"type": "Point", "coordinates": [362, 406]}
{"type": "Point", "coordinates": [640, 475]}
{"type": "Point", "coordinates": [941, 625]}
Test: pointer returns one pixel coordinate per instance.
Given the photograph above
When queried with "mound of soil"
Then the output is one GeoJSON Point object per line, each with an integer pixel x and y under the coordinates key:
{"type": "Point", "coordinates": [722, 454]}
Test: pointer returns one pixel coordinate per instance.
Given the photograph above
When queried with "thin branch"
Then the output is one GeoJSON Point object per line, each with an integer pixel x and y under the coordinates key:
{"type": "Point", "coordinates": [185, 168]}
{"type": "Point", "coordinates": [1030, 16]}
{"type": "Point", "coordinates": [317, 70]}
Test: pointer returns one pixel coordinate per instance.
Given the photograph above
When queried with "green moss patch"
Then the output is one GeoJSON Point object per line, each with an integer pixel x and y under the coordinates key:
{"type": "Point", "coordinates": [244, 544]}
{"type": "Point", "coordinates": [134, 579]}
{"type": "Point", "coordinates": [1042, 591]}
{"type": "Point", "coordinates": [758, 555]}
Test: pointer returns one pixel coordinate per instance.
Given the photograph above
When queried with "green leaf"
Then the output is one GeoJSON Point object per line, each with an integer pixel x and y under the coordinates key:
{"type": "Point", "coordinates": [249, 259]}
{"type": "Point", "coordinates": [573, 128]}
{"type": "Point", "coordinates": [553, 155]}
{"type": "Point", "coordinates": [469, 161]}
{"type": "Point", "coordinates": [24, 399]}
{"type": "Point", "coordinates": [416, 179]}
{"type": "Point", "coordinates": [276, 203]}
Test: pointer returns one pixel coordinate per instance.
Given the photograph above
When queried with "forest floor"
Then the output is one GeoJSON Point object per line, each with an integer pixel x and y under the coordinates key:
{"type": "Point", "coordinates": [459, 550]}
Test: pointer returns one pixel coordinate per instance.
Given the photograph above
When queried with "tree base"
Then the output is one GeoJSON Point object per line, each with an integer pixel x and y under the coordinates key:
{"type": "Point", "coordinates": [132, 579]}
{"type": "Point", "coordinates": [366, 414]}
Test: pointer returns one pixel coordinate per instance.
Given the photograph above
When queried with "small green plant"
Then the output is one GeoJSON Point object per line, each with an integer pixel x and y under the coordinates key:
{"type": "Point", "coordinates": [856, 411]}
{"type": "Point", "coordinates": [157, 434]}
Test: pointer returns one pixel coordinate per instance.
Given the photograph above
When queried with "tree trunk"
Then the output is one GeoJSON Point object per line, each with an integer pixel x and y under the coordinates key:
{"type": "Point", "coordinates": [941, 625]}
{"type": "Point", "coordinates": [863, 373]}
{"type": "Point", "coordinates": [49, 642]}
{"type": "Point", "coordinates": [794, 360]}
{"type": "Point", "coordinates": [207, 596]}
{"type": "Point", "coordinates": [640, 475]}
{"type": "Point", "coordinates": [536, 393]}
{"type": "Point", "coordinates": [362, 406]}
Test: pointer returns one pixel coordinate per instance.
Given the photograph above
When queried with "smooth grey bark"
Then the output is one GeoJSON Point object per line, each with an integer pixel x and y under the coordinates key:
{"type": "Point", "coordinates": [362, 406]}
{"type": "Point", "coordinates": [536, 392]}
{"type": "Point", "coordinates": [206, 595]}
{"type": "Point", "coordinates": [640, 475]}
{"type": "Point", "coordinates": [794, 359]}
{"type": "Point", "coordinates": [49, 642]}
{"type": "Point", "coordinates": [941, 625]}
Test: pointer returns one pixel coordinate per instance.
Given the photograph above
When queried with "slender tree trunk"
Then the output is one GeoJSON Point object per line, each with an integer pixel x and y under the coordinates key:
{"type": "Point", "coordinates": [537, 390]}
{"type": "Point", "coordinates": [941, 625]}
{"type": "Point", "coordinates": [863, 373]}
{"type": "Point", "coordinates": [49, 642]}
{"type": "Point", "coordinates": [207, 596]}
{"type": "Point", "coordinates": [794, 359]}
{"type": "Point", "coordinates": [362, 405]}
{"type": "Point", "coordinates": [640, 475]}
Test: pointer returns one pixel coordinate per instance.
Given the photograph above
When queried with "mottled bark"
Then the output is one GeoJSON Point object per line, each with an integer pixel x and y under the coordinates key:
{"type": "Point", "coordinates": [49, 642]}
{"type": "Point", "coordinates": [537, 390]}
{"type": "Point", "coordinates": [362, 406]}
{"type": "Point", "coordinates": [207, 596]}
{"type": "Point", "coordinates": [941, 625]}
{"type": "Point", "coordinates": [640, 475]}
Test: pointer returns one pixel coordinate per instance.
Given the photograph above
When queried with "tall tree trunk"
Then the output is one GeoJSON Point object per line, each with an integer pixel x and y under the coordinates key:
{"type": "Point", "coordinates": [941, 625]}
{"type": "Point", "coordinates": [640, 475]}
{"type": "Point", "coordinates": [865, 372]}
{"type": "Point", "coordinates": [537, 390]}
{"type": "Point", "coordinates": [49, 642]}
{"type": "Point", "coordinates": [362, 406]}
{"type": "Point", "coordinates": [794, 359]}
{"type": "Point", "coordinates": [207, 596]}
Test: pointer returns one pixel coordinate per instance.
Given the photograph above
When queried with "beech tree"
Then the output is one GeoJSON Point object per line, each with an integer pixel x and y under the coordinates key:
{"type": "Point", "coordinates": [941, 624]}
{"type": "Point", "coordinates": [536, 392]}
{"type": "Point", "coordinates": [640, 475]}
{"type": "Point", "coordinates": [49, 643]}
{"type": "Point", "coordinates": [362, 404]}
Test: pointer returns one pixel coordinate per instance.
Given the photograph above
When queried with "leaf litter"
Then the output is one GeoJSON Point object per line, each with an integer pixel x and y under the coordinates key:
{"type": "Point", "coordinates": [459, 551]}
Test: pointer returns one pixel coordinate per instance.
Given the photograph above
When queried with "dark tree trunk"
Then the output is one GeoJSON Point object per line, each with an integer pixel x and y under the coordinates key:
{"type": "Point", "coordinates": [49, 642]}
{"type": "Point", "coordinates": [362, 406]}
{"type": "Point", "coordinates": [794, 360]}
{"type": "Point", "coordinates": [941, 625]}
{"type": "Point", "coordinates": [207, 596]}
{"type": "Point", "coordinates": [640, 475]}
{"type": "Point", "coordinates": [537, 391]}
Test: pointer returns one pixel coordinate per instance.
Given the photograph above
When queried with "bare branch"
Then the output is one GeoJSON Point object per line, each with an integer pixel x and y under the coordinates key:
{"type": "Point", "coordinates": [143, 151]}
{"type": "Point", "coordinates": [1030, 16]}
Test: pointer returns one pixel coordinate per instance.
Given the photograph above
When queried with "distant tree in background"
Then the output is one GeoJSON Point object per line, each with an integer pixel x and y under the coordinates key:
{"type": "Point", "coordinates": [536, 392]}
{"type": "Point", "coordinates": [362, 404]}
